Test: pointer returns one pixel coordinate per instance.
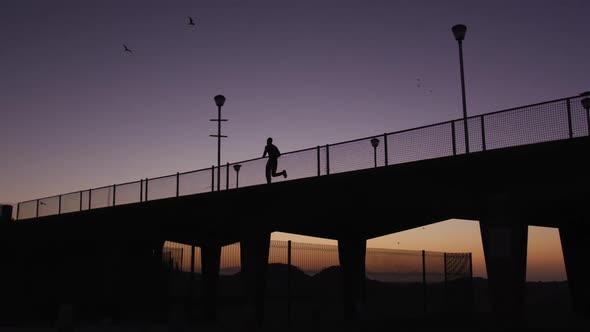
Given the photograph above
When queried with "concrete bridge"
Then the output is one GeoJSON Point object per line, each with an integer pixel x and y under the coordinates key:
{"type": "Point", "coordinates": [540, 180]}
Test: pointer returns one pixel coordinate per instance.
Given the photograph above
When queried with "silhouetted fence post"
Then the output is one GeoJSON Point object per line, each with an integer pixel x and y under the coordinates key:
{"type": "Point", "coordinates": [177, 184]}
{"type": "Point", "coordinates": [424, 279]}
{"type": "Point", "coordinates": [386, 149]}
{"type": "Point", "coordinates": [141, 190]}
{"type": "Point", "coordinates": [227, 176]}
{"type": "Point", "coordinates": [192, 279]}
{"type": "Point", "coordinates": [147, 182]}
{"type": "Point", "coordinates": [327, 159]}
{"type": "Point", "coordinates": [319, 169]}
{"type": "Point", "coordinates": [17, 211]}
{"type": "Point", "coordinates": [181, 260]}
{"type": "Point", "coordinates": [37, 210]}
{"type": "Point", "coordinates": [454, 138]}
{"type": "Point", "coordinates": [471, 286]}
{"type": "Point", "coordinates": [81, 201]}
{"type": "Point", "coordinates": [114, 194]}
{"type": "Point", "coordinates": [483, 135]}
{"type": "Point", "coordinates": [446, 278]}
{"type": "Point", "coordinates": [192, 261]}
{"type": "Point", "coordinates": [569, 119]}
{"type": "Point", "coordinates": [289, 283]}
{"type": "Point", "coordinates": [213, 178]}
{"type": "Point", "coordinates": [59, 205]}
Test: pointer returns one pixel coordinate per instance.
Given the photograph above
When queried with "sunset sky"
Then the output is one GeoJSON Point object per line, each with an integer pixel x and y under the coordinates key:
{"type": "Point", "coordinates": [79, 112]}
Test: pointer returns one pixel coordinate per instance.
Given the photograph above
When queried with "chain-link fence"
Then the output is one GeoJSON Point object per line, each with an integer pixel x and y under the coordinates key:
{"type": "Point", "coordinates": [304, 282]}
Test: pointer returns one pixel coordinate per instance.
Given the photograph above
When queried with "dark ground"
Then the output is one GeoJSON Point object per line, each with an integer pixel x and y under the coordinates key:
{"type": "Point", "coordinates": [315, 306]}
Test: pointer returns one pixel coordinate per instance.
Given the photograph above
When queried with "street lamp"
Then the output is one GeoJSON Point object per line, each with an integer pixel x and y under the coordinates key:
{"type": "Point", "coordinates": [459, 33]}
{"type": "Point", "coordinates": [586, 105]}
{"type": "Point", "coordinates": [237, 169]}
{"type": "Point", "coordinates": [219, 101]}
{"type": "Point", "coordinates": [375, 144]}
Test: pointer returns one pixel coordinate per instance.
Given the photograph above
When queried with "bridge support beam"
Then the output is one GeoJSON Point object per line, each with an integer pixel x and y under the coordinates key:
{"type": "Point", "coordinates": [504, 240]}
{"type": "Point", "coordinates": [254, 249]}
{"type": "Point", "coordinates": [351, 253]}
{"type": "Point", "coordinates": [210, 258]}
{"type": "Point", "coordinates": [575, 236]}
{"type": "Point", "coordinates": [132, 279]}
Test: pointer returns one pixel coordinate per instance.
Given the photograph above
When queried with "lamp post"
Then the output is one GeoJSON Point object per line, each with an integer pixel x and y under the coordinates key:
{"type": "Point", "coordinates": [586, 104]}
{"type": "Point", "coordinates": [459, 33]}
{"type": "Point", "coordinates": [219, 101]}
{"type": "Point", "coordinates": [237, 169]}
{"type": "Point", "coordinates": [375, 144]}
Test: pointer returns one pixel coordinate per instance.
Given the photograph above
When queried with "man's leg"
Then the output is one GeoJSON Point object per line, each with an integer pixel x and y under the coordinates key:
{"type": "Point", "coordinates": [274, 169]}
{"type": "Point", "coordinates": [268, 172]}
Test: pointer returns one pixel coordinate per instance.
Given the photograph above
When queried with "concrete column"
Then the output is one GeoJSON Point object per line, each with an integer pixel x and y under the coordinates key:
{"type": "Point", "coordinates": [132, 280]}
{"type": "Point", "coordinates": [210, 258]}
{"type": "Point", "coordinates": [110, 265]}
{"type": "Point", "coordinates": [504, 238]}
{"type": "Point", "coordinates": [575, 237]}
{"type": "Point", "coordinates": [254, 250]}
{"type": "Point", "coordinates": [351, 253]}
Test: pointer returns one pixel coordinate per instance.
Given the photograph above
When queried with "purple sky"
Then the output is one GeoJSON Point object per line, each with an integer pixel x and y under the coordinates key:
{"type": "Point", "coordinates": [79, 112]}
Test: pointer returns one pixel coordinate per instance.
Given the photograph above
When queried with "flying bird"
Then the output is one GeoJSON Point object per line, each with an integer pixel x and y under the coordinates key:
{"type": "Point", "coordinates": [127, 49]}
{"type": "Point", "coordinates": [420, 84]}
{"type": "Point", "coordinates": [42, 203]}
{"type": "Point", "coordinates": [190, 21]}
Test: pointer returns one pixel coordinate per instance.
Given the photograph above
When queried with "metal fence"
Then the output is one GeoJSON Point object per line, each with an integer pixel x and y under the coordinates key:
{"type": "Point", "coordinates": [387, 265]}
{"type": "Point", "coordinates": [304, 280]}
{"type": "Point", "coordinates": [542, 122]}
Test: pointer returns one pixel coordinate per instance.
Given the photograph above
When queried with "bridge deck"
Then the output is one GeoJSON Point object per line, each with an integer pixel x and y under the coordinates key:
{"type": "Point", "coordinates": [540, 180]}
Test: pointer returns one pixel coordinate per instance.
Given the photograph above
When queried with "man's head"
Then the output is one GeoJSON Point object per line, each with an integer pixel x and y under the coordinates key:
{"type": "Point", "coordinates": [269, 140]}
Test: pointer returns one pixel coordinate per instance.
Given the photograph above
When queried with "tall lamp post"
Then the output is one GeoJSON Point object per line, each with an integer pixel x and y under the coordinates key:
{"type": "Point", "coordinates": [459, 33]}
{"type": "Point", "coordinates": [586, 105]}
{"type": "Point", "coordinates": [375, 144]}
{"type": "Point", "coordinates": [237, 169]}
{"type": "Point", "coordinates": [219, 101]}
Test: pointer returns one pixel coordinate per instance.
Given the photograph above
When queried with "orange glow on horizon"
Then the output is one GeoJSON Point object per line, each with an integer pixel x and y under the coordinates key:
{"type": "Point", "coordinates": [544, 257]}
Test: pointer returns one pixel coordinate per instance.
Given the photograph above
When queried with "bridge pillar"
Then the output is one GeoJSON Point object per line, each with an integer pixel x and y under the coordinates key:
{"type": "Point", "coordinates": [210, 260]}
{"type": "Point", "coordinates": [132, 280]}
{"type": "Point", "coordinates": [575, 236]}
{"type": "Point", "coordinates": [504, 240]}
{"type": "Point", "coordinates": [351, 253]}
{"type": "Point", "coordinates": [254, 249]}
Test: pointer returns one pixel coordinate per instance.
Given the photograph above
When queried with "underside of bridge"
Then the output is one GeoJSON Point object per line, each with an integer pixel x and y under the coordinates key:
{"type": "Point", "coordinates": [506, 190]}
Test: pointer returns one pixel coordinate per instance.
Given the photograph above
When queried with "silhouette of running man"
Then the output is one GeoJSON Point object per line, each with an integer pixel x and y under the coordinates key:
{"type": "Point", "coordinates": [273, 156]}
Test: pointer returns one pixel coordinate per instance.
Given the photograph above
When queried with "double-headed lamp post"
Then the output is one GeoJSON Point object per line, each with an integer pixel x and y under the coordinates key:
{"type": "Point", "coordinates": [237, 169]}
{"type": "Point", "coordinates": [459, 33]}
{"type": "Point", "coordinates": [586, 104]}
{"type": "Point", "coordinates": [219, 101]}
{"type": "Point", "coordinates": [375, 144]}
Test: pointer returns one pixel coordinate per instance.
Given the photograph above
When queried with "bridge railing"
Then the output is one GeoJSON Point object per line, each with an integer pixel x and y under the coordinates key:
{"type": "Point", "coordinates": [542, 122]}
